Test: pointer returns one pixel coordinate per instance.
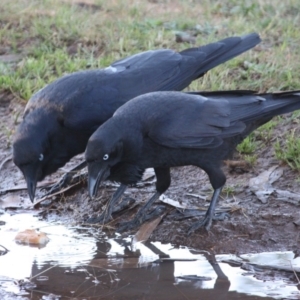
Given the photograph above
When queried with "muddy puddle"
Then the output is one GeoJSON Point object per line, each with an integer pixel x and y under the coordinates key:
{"type": "Point", "coordinates": [84, 263]}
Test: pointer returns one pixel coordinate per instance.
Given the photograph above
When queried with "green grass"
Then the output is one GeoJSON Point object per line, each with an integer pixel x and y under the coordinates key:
{"type": "Point", "coordinates": [248, 145]}
{"type": "Point", "coordinates": [57, 37]}
{"type": "Point", "coordinates": [228, 191]}
{"type": "Point", "coordinates": [289, 151]}
{"type": "Point", "coordinates": [251, 159]}
{"type": "Point", "coordinates": [247, 149]}
{"type": "Point", "coordinates": [265, 133]}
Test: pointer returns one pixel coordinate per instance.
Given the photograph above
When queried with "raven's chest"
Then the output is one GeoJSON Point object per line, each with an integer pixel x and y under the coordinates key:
{"type": "Point", "coordinates": [126, 173]}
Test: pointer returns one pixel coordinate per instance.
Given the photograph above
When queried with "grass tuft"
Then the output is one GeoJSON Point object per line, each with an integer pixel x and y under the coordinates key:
{"type": "Point", "coordinates": [289, 151]}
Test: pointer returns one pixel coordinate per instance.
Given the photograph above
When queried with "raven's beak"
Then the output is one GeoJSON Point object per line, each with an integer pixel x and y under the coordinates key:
{"type": "Point", "coordinates": [29, 173]}
{"type": "Point", "coordinates": [31, 187]}
{"type": "Point", "coordinates": [97, 173]}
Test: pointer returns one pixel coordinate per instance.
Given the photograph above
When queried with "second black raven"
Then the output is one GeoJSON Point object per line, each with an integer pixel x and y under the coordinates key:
{"type": "Point", "coordinates": [161, 130]}
{"type": "Point", "coordinates": [60, 118]}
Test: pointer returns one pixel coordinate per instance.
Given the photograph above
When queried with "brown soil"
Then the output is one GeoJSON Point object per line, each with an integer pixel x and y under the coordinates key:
{"type": "Point", "coordinates": [251, 227]}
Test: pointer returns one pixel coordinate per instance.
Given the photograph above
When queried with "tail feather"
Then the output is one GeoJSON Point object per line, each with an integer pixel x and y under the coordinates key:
{"type": "Point", "coordinates": [257, 113]}
{"type": "Point", "coordinates": [247, 105]}
{"type": "Point", "coordinates": [222, 51]}
{"type": "Point", "coordinates": [278, 104]}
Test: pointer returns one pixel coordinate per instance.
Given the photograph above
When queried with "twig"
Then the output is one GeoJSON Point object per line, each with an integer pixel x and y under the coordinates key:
{"type": "Point", "coordinates": [5, 161]}
{"type": "Point", "coordinates": [197, 196]}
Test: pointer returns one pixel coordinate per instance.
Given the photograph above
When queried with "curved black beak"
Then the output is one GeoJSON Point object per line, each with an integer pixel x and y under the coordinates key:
{"type": "Point", "coordinates": [97, 173]}
{"type": "Point", "coordinates": [31, 187]}
{"type": "Point", "coordinates": [30, 175]}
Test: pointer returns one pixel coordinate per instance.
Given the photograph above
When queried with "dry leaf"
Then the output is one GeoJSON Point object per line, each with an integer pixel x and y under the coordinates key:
{"type": "Point", "coordinates": [14, 200]}
{"type": "Point", "coordinates": [261, 185]}
{"type": "Point", "coordinates": [146, 230]}
{"type": "Point", "coordinates": [32, 237]}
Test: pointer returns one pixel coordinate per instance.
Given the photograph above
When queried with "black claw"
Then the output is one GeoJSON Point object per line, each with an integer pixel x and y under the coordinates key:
{"type": "Point", "coordinates": [140, 219]}
{"type": "Point", "coordinates": [63, 182]}
{"type": "Point", "coordinates": [105, 218]}
{"type": "Point", "coordinates": [66, 180]}
{"type": "Point", "coordinates": [126, 226]}
{"type": "Point", "coordinates": [159, 210]}
{"type": "Point", "coordinates": [126, 202]}
{"type": "Point", "coordinates": [206, 222]}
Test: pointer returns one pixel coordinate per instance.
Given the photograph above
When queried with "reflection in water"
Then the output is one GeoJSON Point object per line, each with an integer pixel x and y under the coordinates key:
{"type": "Point", "coordinates": [81, 264]}
{"type": "Point", "coordinates": [126, 276]}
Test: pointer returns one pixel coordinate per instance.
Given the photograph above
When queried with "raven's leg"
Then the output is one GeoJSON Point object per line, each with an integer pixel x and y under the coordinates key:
{"type": "Point", "coordinates": [217, 179]}
{"type": "Point", "coordinates": [105, 217]}
{"type": "Point", "coordinates": [65, 180]}
{"type": "Point", "coordinates": [163, 180]}
{"type": "Point", "coordinates": [206, 222]}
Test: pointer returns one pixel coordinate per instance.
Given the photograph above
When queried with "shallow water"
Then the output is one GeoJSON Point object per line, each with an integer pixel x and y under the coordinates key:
{"type": "Point", "coordinates": [81, 263]}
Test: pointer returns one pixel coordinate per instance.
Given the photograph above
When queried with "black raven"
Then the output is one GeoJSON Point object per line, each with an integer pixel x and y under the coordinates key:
{"type": "Point", "coordinates": [167, 129]}
{"type": "Point", "coordinates": [60, 118]}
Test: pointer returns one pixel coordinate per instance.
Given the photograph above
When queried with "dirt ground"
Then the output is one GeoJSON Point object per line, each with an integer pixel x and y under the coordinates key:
{"type": "Point", "coordinates": [252, 226]}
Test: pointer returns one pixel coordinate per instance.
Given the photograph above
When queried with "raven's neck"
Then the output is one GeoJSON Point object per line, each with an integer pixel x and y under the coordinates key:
{"type": "Point", "coordinates": [129, 132]}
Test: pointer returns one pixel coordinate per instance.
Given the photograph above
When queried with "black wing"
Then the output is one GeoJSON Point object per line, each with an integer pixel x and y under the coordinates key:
{"type": "Point", "coordinates": [87, 99]}
{"type": "Point", "coordinates": [210, 117]}
{"type": "Point", "coordinates": [193, 123]}
{"type": "Point", "coordinates": [166, 70]}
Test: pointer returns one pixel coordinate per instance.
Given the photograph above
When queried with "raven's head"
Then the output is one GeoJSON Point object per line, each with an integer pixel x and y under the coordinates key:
{"type": "Point", "coordinates": [104, 150]}
{"type": "Point", "coordinates": [40, 147]}
{"type": "Point", "coordinates": [30, 150]}
{"type": "Point", "coordinates": [29, 157]}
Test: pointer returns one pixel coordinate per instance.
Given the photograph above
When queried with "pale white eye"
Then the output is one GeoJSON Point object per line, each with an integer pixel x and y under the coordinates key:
{"type": "Point", "coordinates": [105, 157]}
{"type": "Point", "coordinates": [41, 157]}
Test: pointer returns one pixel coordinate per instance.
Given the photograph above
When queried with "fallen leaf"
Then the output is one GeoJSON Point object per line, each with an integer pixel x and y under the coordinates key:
{"type": "Point", "coordinates": [14, 200]}
{"type": "Point", "coordinates": [32, 237]}
{"type": "Point", "coordinates": [146, 230]}
{"type": "Point", "coordinates": [261, 185]}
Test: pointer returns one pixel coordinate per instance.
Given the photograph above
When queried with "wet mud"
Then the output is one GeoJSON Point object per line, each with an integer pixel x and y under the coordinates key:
{"type": "Point", "coordinates": [251, 226]}
{"type": "Point", "coordinates": [81, 263]}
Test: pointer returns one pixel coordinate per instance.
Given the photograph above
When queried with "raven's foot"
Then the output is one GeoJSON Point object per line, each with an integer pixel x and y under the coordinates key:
{"type": "Point", "coordinates": [124, 204]}
{"type": "Point", "coordinates": [106, 217]}
{"type": "Point", "coordinates": [68, 179]}
{"type": "Point", "coordinates": [206, 222]}
{"type": "Point", "coordinates": [139, 219]}
{"type": "Point", "coordinates": [65, 181]}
